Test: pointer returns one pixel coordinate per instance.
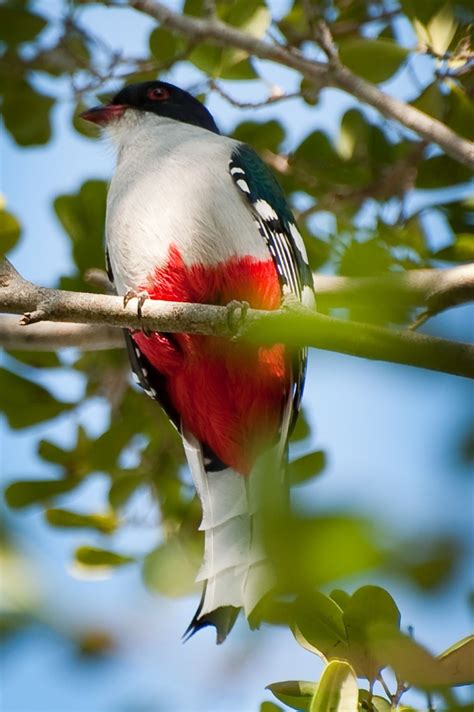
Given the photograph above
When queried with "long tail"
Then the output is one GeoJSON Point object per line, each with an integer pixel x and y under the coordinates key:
{"type": "Point", "coordinates": [235, 571]}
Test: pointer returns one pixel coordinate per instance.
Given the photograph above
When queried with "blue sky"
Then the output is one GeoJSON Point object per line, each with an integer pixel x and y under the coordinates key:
{"type": "Point", "coordinates": [390, 433]}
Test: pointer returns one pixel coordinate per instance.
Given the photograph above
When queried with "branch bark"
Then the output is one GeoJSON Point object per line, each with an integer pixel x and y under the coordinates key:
{"type": "Point", "coordinates": [51, 336]}
{"type": "Point", "coordinates": [296, 327]}
{"type": "Point", "coordinates": [322, 74]}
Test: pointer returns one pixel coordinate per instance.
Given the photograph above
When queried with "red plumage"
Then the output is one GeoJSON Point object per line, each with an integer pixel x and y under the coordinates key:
{"type": "Point", "coordinates": [229, 395]}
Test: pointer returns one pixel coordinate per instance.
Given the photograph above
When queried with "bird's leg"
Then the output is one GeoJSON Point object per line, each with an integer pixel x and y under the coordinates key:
{"type": "Point", "coordinates": [236, 312]}
{"type": "Point", "coordinates": [141, 296]}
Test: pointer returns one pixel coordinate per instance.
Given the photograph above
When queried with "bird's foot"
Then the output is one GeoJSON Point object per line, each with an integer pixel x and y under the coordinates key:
{"type": "Point", "coordinates": [236, 313]}
{"type": "Point", "coordinates": [141, 295]}
{"type": "Point", "coordinates": [290, 302]}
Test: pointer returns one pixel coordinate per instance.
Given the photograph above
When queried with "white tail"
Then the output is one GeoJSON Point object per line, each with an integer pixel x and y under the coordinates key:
{"type": "Point", "coordinates": [235, 571]}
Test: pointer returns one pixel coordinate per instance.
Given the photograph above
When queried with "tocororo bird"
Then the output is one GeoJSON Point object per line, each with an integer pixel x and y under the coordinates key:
{"type": "Point", "coordinates": [194, 216]}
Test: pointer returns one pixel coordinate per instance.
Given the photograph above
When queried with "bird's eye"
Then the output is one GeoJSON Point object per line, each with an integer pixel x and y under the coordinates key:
{"type": "Point", "coordinates": [158, 94]}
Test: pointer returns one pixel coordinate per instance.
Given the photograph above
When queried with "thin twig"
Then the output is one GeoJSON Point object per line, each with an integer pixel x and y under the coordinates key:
{"type": "Point", "coordinates": [272, 99]}
{"type": "Point", "coordinates": [320, 73]}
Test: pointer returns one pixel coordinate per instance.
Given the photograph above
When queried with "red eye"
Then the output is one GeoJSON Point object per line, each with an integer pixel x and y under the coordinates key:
{"type": "Point", "coordinates": [158, 94]}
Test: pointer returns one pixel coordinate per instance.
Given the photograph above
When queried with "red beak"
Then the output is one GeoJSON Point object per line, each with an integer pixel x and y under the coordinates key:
{"type": "Point", "coordinates": [102, 115]}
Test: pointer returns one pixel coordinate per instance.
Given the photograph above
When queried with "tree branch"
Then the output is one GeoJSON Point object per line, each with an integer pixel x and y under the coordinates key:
{"type": "Point", "coordinates": [436, 289]}
{"type": "Point", "coordinates": [296, 327]}
{"type": "Point", "coordinates": [51, 336]}
{"type": "Point", "coordinates": [320, 73]}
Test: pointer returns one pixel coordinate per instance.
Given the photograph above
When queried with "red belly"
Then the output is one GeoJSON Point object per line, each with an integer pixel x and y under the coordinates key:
{"type": "Point", "coordinates": [229, 395]}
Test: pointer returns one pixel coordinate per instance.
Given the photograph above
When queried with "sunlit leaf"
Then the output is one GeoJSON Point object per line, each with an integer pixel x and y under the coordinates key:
{"type": "Point", "coordinates": [93, 556]}
{"type": "Point", "coordinates": [353, 134]}
{"type": "Point", "coordinates": [104, 523]}
{"type": "Point", "coordinates": [374, 703]}
{"type": "Point", "coordinates": [319, 626]}
{"type": "Point", "coordinates": [369, 606]}
{"type": "Point", "coordinates": [340, 597]}
{"type": "Point", "coordinates": [337, 689]}
{"type": "Point", "coordinates": [457, 662]}
{"type": "Point", "coordinates": [441, 29]}
{"type": "Point", "coordinates": [163, 44]}
{"type": "Point", "coordinates": [270, 707]}
{"type": "Point", "coordinates": [294, 693]}
{"type": "Point", "coordinates": [9, 231]}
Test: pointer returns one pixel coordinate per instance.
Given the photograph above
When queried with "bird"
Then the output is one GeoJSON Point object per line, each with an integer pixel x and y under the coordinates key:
{"type": "Point", "coordinates": [196, 216]}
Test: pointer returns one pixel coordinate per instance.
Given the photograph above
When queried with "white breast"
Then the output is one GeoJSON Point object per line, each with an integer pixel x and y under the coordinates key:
{"type": "Point", "coordinates": [172, 187]}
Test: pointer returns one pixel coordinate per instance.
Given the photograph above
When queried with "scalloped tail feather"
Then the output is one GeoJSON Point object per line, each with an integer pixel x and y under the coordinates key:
{"type": "Point", "coordinates": [235, 571]}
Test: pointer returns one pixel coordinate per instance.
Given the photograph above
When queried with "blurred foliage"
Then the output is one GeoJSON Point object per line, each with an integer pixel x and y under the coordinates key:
{"type": "Point", "coordinates": [366, 166]}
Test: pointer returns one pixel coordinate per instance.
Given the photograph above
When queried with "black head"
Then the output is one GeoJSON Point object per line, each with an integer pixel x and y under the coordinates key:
{"type": "Point", "coordinates": [158, 98]}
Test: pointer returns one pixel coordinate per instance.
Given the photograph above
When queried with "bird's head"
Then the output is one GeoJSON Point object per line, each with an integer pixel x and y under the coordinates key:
{"type": "Point", "coordinates": [159, 98]}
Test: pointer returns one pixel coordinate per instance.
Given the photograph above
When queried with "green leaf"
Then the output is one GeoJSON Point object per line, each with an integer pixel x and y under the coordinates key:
{"type": "Point", "coordinates": [309, 552]}
{"type": "Point", "coordinates": [440, 172]}
{"type": "Point", "coordinates": [28, 492]}
{"type": "Point", "coordinates": [9, 231]}
{"type": "Point", "coordinates": [36, 359]}
{"type": "Point", "coordinates": [222, 63]}
{"type": "Point", "coordinates": [306, 467]}
{"type": "Point", "coordinates": [25, 403]}
{"type": "Point", "coordinates": [362, 259]}
{"type": "Point", "coordinates": [409, 660]}
{"type": "Point", "coordinates": [461, 251]}
{"type": "Point", "coordinates": [18, 25]}
{"type": "Point", "coordinates": [457, 662]}
{"type": "Point", "coordinates": [93, 556]}
{"type": "Point", "coordinates": [441, 29]}
{"type": "Point", "coordinates": [123, 488]}
{"type": "Point", "coordinates": [270, 707]}
{"type": "Point", "coordinates": [353, 135]}
{"type": "Point", "coordinates": [374, 703]}
{"type": "Point", "coordinates": [82, 215]}
{"type": "Point", "coordinates": [340, 597]}
{"type": "Point", "coordinates": [268, 135]}
{"type": "Point", "coordinates": [294, 693]}
{"type": "Point", "coordinates": [163, 44]}
{"type": "Point", "coordinates": [302, 430]}
{"type": "Point", "coordinates": [319, 626]}
{"type": "Point", "coordinates": [26, 114]}
{"type": "Point", "coordinates": [104, 523]}
{"type": "Point", "coordinates": [369, 606]}
{"type": "Point", "coordinates": [460, 116]}
{"type": "Point", "coordinates": [251, 17]}
{"type": "Point", "coordinates": [207, 58]}
{"type": "Point", "coordinates": [337, 689]}
{"type": "Point", "coordinates": [431, 101]}
{"type": "Point", "coordinates": [171, 568]}
{"type": "Point", "coordinates": [372, 59]}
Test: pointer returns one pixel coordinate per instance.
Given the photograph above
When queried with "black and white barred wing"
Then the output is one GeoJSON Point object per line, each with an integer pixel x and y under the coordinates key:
{"type": "Point", "coordinates": [275, 222]}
